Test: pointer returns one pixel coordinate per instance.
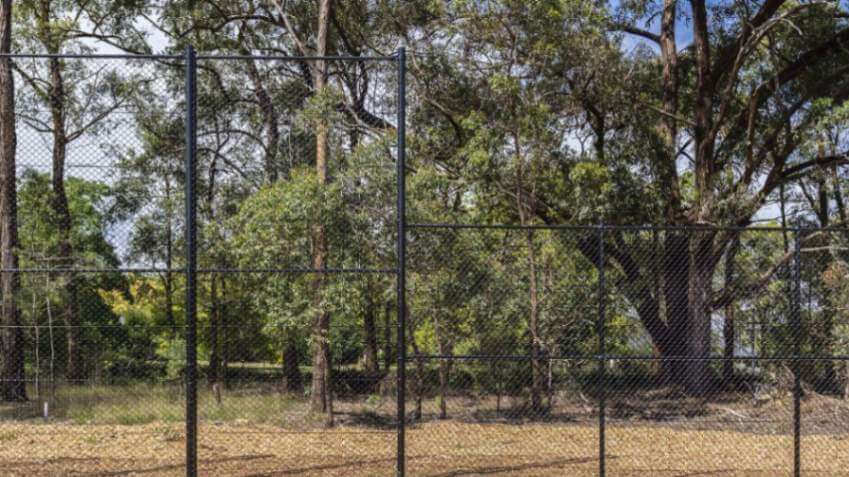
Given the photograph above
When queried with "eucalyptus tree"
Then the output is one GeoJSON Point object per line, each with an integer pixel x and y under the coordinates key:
{"type": "Point", "coordinates": [693, 135]}
{"type": "Point", "coordinates": [79, 99]}
{"type": "Point", "coordinates": [732, 110]}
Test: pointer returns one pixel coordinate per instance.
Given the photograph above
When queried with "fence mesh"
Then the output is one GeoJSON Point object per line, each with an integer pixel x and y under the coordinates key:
{"type": "Point", "coordinates": [281, 243]}
{"type": "Point", "coordinates": [530, 349]}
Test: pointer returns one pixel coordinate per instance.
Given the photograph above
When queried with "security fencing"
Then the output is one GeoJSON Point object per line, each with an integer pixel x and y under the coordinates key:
{"type": "Point", "coordinates": [624, 350]}
{"type": "Point", "coordinates": [215, 276]}
{"type": "Point", "coordinates": [203, 240]}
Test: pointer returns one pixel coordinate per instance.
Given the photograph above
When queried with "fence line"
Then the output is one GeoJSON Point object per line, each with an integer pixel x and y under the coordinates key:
{"type": "Point", "coordinates": [599, 253]}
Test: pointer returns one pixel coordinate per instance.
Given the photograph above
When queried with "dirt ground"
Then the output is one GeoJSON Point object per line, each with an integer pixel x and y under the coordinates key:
{"type": "Point", "coordinates": [439, 448]}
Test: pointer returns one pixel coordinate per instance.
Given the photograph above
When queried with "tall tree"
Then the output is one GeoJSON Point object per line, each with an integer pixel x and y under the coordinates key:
{"type": "Point", "coordinates": [55, 27]}
{"type": "Point", "coordinates": [321, 393]}
{"type": "Point", "coordinates": [13, 386]}
{"type": "Point", "coordinates": [691, 135]}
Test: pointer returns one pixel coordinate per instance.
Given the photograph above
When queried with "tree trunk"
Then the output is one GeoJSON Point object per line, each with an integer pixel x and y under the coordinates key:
{"type": "Point", "coordinates": [444, 376]}
{"type": "Point", "coordinates": [169, 262]}
{"type": "Point", "coordinates": [537, 376]}
{"type": "Point", "coordinates": [444, 349]}
{"type": "Point", "coordinates": [293, 381]}
{"type": "Point", "coordinates": [12, 376]}
{"type": "Point", "coordinates": [537, 372]}
{"type": "Point", "coordinates": [668, 129]}
{"type": "Point", "coordinates": [698, 378]}
{"type": "Point", "coordinates": [387, 337]}
{"type": "Point", "coordinates": [321, 400]}
{"type": "Point", "coordinates": [370, 330]}
{"type": "Point", "coordinates": [214, 376]}
{"type": "Point", "coordinates": [418, 379]}
{"type": "Point", "coordinates": [729, 341]}
{"type": "Point", "coordinates": [226, 337]}
{"type": "Point", "coordinates": [676, 277]}
{"type": "Point", "coordinates": [74, 369]}
{"type": "Point", "coordinates": [321, 379]}
{"type": "Point", "coordinates": [269, 119]}
{"type": "Point", "coordinates": [827, 382]}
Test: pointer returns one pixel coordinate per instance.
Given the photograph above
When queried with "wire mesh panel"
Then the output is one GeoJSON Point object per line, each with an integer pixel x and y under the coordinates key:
{"type": "Point", "coordinates": [824, 373]}
{"type": "Point", "coordinates": [495, 317]}
{"type": "Point", "coordinates": [654, 428]}
{"type": "Point", "coordinates": [99, 187]}
{"type": "Point", "coordinates": [222, 239]}
{"type": "Point", "coordinates": [296, 261]}
{"type": "Point", "coordinates": [664, 350]}
{"type": "Point", "coordinates": [286, 200]}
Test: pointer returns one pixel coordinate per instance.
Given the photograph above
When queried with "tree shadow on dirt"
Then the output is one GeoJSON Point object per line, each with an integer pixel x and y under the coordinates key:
{"type": "Point", "coordinates": [500, 469]}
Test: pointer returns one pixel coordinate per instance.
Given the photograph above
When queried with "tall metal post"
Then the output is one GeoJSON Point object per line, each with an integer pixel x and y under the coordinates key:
{"type": "Point", "coordinates": [601, 352]}
{"type": "Point", "coordinates": [191, 264]}
{"type": "Point", "coordinates": [797, 351]}
{"type": "Point", "coordinates": [400, 279]}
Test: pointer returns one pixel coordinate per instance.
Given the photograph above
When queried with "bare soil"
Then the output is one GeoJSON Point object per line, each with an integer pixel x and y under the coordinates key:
{"type": "Point", "coordinates": [439, 448]}
{"type": "Point", "coordinates": [658, 433]}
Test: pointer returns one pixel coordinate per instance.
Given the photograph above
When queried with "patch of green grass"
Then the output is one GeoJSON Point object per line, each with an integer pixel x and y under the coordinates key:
{"type": "Point", "coordinates": [248, 406]}
{"type": "Point", "coordinates": [8, 436]}
{"type": "Point", "coordinates": [144, 403]}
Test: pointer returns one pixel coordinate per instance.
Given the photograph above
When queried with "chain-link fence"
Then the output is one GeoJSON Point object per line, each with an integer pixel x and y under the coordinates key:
{"type": "Point", "coordinates": [206, 270]}
{"type": "Point", "coordinates": [594, 350]}
{"type": "Point", "coordinates": [214, 276]}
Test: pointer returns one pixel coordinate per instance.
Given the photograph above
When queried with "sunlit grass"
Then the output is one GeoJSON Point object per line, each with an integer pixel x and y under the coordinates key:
{"type": "Point", "coordinates": [146, 403]}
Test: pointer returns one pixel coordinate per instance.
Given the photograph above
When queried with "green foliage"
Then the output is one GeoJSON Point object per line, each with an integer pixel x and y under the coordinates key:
{"type": "Point", "coordinates": [173, 351]}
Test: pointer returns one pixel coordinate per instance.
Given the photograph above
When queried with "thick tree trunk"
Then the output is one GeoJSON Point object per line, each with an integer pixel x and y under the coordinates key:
{"type": "Point", "coordinates": [698, 377]}
{"type": "Point", "coordinates": [12, 376]}
{"type": "Point", "coordinates": [676, 268]}
{"type": "Point", "coordinates": [684, 332]}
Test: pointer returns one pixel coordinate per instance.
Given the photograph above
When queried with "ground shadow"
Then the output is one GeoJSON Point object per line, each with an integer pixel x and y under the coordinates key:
{"type": "Point", "coordinates": [487, 470]}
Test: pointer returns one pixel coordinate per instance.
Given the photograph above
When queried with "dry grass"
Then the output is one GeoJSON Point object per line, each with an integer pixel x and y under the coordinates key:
{"type": "Point", "coordinates": [444, 448]}
{"type": "Point", "coordinates": [138, 430]}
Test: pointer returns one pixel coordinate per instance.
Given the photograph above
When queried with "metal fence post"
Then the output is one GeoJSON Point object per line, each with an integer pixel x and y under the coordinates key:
{"type": "Point", "coordinates": [191, 264]}
{"type": "Point", "coordinates": [797, 351]}
{"type": "Point", "coordinates": [601, 351]}
{"type": "Point", "coordinates": [400, 279]}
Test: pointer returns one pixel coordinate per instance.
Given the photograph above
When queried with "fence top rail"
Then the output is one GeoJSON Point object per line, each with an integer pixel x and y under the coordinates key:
{"type": "Point", "coordinates": [299, 58]}
{"type": "Point", "coordinates": [576, 227]}
{"type": "Point", "coordinates": [133, 56]}
{"type": "Point", "coordinates": [93, 56]}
